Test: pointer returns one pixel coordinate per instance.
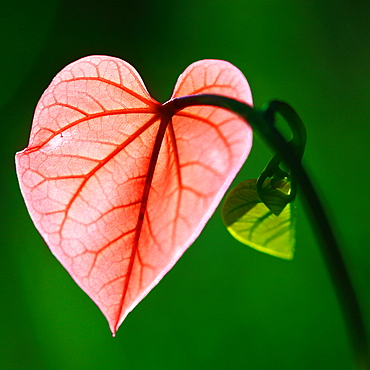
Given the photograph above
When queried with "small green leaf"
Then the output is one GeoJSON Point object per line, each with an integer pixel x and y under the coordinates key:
{"type": "Point", "coordinates": [249, 220]}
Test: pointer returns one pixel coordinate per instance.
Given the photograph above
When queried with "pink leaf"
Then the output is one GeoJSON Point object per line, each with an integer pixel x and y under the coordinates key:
{"type": "Point", "coordinates": [117, 189]}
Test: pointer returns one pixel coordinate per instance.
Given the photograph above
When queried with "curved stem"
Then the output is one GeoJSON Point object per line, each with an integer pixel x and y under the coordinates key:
{"type": "Point", "coordinates": [330, 249]}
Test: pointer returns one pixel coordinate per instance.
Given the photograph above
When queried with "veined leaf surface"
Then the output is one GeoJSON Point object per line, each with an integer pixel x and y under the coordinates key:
{"type": "Point", "coordinates": [117, 189]}
{"type": "Point", "coordinates": [250, 221]}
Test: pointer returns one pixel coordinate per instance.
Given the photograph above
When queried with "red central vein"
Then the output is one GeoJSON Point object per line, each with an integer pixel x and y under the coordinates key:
{"type": "Point", "coordinates": [144, 201]}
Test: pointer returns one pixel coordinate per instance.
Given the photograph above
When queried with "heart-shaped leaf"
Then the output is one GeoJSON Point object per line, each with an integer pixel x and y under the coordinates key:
{"type": "Point", "coordinates": [117, 187]}
{"type": "Point", "coordinates": [269, 230]}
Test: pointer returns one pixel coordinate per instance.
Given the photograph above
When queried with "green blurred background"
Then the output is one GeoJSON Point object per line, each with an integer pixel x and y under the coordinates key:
{"type": "Point", "coordinates": [223, 306]}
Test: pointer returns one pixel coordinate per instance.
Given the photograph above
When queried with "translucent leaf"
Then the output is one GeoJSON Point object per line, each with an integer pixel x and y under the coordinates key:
{"type": "Point", "coordinates": [117, 189]}
{"type": "Point", "coordinates": [249, 220]}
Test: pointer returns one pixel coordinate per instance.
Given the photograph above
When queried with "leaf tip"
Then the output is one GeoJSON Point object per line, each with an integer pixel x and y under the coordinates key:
{"type": "Point", "coordinates": [113, 329]}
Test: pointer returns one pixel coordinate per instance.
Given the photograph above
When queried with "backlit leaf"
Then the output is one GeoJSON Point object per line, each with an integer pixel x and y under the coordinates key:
{"type": "Point", "coordinates": [249, 220]}
{"type": "Point", "coordinates": [117, 189]}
